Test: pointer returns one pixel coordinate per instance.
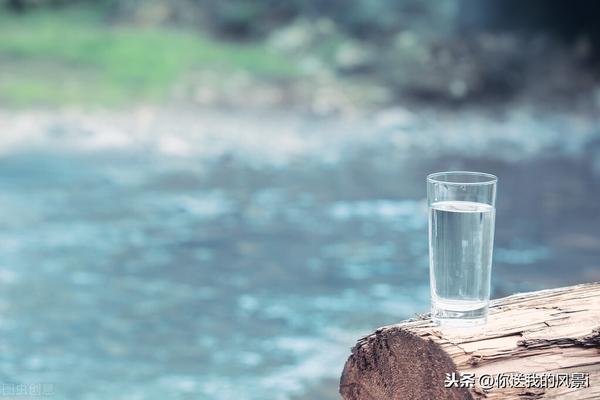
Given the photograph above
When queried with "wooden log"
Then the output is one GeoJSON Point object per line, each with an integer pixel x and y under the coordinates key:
{"type": "Point", "coordinates": [550, 335]}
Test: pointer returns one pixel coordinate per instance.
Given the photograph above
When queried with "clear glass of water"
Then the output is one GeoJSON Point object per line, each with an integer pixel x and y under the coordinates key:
{"type": "Point", "coordinates": [461, 240]}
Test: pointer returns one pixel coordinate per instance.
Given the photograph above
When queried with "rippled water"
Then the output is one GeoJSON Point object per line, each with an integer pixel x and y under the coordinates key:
{"type": "Point", "coordinates": [170, 267]}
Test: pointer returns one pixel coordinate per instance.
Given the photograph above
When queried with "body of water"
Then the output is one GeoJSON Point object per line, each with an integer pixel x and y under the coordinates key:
{"type": "Point", "coordinates": [207, 256]}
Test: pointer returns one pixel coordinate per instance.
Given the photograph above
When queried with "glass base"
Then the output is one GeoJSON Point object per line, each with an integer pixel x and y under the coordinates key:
{"type": "Point", "coordinates": [453, 316]}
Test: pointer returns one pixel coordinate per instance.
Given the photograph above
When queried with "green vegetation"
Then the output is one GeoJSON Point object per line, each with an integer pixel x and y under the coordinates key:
{"type": "Point", "coordinates": [72, 56]}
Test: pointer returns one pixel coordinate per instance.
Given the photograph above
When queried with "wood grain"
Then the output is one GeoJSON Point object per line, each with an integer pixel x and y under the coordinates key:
{"type": "Point", "coordinates": [549, 331]}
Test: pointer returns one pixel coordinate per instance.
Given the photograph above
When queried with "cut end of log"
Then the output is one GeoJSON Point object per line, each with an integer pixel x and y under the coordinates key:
{"type": "Point", "coordinates": [550, 331]}
{"type": "Point", "coordinates": [382, 364]}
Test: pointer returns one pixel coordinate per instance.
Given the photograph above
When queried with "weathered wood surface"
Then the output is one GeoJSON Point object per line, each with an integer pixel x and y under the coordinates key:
{"type": "Point", "coordinates": [550, 331]}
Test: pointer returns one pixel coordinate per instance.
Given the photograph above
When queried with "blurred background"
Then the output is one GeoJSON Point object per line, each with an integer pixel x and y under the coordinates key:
{"type": "Point", "coordinates": [208, 199]}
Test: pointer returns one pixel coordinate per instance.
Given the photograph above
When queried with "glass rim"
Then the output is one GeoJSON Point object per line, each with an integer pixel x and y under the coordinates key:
{"type": "Point", "coordinates": [491, 179]}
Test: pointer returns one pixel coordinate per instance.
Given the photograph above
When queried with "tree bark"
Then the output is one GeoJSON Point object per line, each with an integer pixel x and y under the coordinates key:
{"type": "Point", "coordinates": [554, 332]}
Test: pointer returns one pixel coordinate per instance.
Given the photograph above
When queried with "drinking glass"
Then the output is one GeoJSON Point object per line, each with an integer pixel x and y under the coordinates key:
{"type": "Point", "coordinates": [461, 240]}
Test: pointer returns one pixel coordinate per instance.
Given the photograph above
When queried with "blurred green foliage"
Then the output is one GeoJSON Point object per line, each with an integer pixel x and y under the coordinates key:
{"type": "Point", "coordinates": [255, 18]}
{"type": "Point", "coordinates": [112, 51]}
{"type": "Point", "coordinates": [73, 56]}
